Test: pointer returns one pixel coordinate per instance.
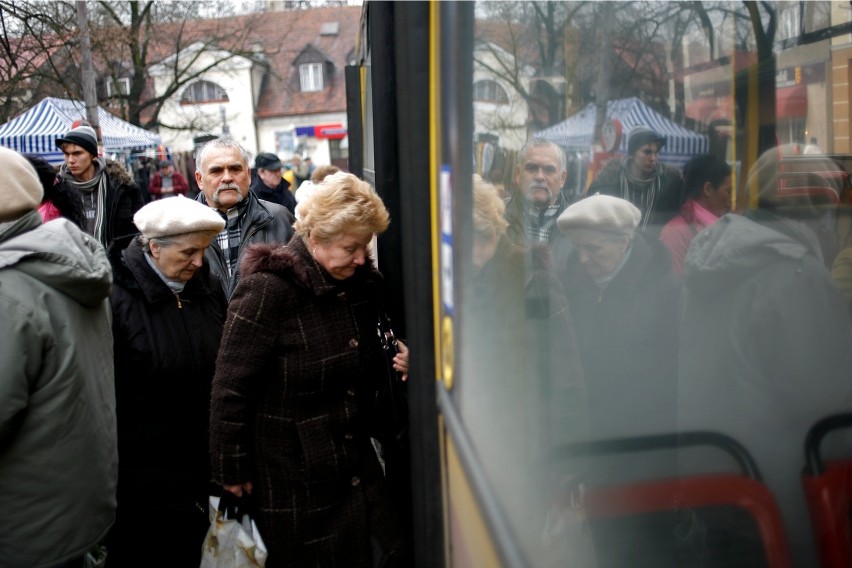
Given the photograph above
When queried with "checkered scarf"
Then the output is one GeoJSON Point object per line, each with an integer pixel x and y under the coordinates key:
{"type": "Point", "coordinates": [231, 236]}
{"type": "Point", "coordinates": [541, 223]}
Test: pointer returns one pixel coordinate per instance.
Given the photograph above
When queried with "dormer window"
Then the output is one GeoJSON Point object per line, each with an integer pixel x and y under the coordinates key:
{"type": "Point", "coordinates": [310, 75]}
{"type": "Point", "coordinates": [203, 92]}
{"type": "Point", "coordinates": [118, 87]}
{"type": "Point", "coordinates": [489, 91]}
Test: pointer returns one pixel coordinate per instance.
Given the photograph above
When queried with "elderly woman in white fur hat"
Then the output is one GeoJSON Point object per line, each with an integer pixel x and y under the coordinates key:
{"type": "Point", "coordinates": [167, 322]}
{"type": "Point", "coordinates": [623, 299]}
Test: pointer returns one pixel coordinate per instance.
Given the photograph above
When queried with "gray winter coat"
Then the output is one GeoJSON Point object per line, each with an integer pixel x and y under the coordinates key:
{"type": "Point", "coordinates": [765, 352]}
{"type": "Point", "coordinates": [58, 455]}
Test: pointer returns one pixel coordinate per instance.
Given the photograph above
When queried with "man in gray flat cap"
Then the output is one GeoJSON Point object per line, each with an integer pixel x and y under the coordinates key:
{"type": "Point", "coordinates": [110, 196]}
{"type": "Point", "coordinates": [655, 188]}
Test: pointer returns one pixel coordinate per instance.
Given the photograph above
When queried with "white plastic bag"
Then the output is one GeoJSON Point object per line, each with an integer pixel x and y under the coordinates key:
{"type": "Point", "coordinates": [231, 542]}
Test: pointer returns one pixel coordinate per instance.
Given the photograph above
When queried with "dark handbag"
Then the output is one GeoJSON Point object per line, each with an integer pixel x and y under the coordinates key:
{"type": "Point", "coordinates": [391, 392]}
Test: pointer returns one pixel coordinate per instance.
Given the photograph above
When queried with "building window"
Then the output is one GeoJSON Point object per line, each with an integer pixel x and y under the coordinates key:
{"type": "Point", "coordinates": [204, 92]}
{"type": "Point", "coordinates": [791, 22]}
{"type": "Point", "coordinates": [338, 149]}
{"type": "Point", "coordinates": [118, 87]}
{"type": "Point", "coordinates": [311, 77]}
{"type": "Point", "coordinates": [489, 91]}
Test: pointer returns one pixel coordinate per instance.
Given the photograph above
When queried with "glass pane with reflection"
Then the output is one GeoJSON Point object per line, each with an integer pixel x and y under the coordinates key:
{"type": "Point", "coordinates": [656, 309]}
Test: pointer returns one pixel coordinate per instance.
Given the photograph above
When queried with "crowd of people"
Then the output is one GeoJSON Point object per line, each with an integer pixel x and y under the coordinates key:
{"type": "Point", "coordinates": [159, 353]}
{"type": "Point", "coordinates": [165, 352]}
{"type": "Point", "coordinates": [690, 318]}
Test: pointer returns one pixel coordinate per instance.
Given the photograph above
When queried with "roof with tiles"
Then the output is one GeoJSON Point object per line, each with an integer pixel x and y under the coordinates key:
{"type": "Point", "coordinates": [284, 36]}
{"type": "Point", "coordinates": [276, 39]}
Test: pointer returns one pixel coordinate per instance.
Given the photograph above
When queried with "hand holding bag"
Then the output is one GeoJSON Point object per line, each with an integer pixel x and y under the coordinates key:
{"type": "Point", "coordinates": [233, 540]}
{"type": "Point", "coordinates": [391, 391]}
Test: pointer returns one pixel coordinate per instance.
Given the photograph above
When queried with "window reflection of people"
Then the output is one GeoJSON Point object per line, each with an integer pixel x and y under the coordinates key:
{"type": "Point", "coordinates": [538, 199]}
{"type": "Point", "coordinates": [167, 321]}
{"type": "Point", "coordinates": [526, 394]}
{"type": "Point", "coordinates": [812, 147]}
{"type": "Point", "coordinates": [624, 301]}
{"type": "Point", "coordinates": [765, 344]}
{"type": "Point", "coordinates": [708, 185]}
{"type": "Point", "coordinates": [655, 188]}
{"type": "Point", "coordinates": [292, 397]}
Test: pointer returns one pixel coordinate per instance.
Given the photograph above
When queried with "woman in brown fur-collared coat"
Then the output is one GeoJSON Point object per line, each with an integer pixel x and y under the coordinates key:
{"type": "Point", "coordinates": [292, 411]}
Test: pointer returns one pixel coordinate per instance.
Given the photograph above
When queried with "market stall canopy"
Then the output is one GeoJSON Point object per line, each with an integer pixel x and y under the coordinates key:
{"type": "Point", "coordinates": [36, 130]}
{"type": "Point", "coordinates": [576, 133]}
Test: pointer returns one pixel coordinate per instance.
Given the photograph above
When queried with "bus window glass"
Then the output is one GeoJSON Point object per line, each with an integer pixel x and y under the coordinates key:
{"type": "Point", "coordinates": [658, 293]}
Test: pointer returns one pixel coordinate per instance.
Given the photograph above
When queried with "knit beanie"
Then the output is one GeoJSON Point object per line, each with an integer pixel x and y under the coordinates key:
{"type": "Point", "coordinates": [642, 135]}
{"type": "Point", "coordinates": [82, 136]}
{"type": "Point", "coordinates": [21, 190]}
{"type": "Point", "coordinates": [601, 213]}
{"type": "Point", "coordinates": [177, 216]}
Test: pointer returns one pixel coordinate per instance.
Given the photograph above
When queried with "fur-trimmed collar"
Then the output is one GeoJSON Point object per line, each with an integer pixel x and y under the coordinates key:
{"type": "Point", "coordinates": [294, 261]}
{"type": "Point", "coordinates": [118, 173]}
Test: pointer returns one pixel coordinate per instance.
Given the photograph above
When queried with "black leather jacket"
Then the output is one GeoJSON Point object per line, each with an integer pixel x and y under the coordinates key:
{"type": "Point", "coordinates": [264, 222]}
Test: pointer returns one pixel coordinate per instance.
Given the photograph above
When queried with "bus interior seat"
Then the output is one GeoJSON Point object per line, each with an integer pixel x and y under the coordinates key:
{"type": "Point", "coordinates": [736, 513]}
{"type": "Point", "coordinates": [828, 490]}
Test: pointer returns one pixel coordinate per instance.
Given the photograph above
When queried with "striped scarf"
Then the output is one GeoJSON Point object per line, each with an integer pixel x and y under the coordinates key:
{"type": "Point", "coordinates": [96, 188]}
{"type": "Point", "coordinates": [641, 193]}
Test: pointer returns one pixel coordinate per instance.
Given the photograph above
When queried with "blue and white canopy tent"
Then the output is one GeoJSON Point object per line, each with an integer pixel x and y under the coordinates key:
{"type": "Point", "coordinates": [576, 133]}
{"type": "Point", "coordinates": [36, 130]}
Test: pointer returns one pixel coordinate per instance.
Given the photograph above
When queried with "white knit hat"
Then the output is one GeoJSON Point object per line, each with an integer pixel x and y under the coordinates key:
{"type": "Point", "coordinates": [176, 216]}
{"type": "Point", "coordinates": [602, 213]}
{"type": "Point", "coordinates": [21, 190]}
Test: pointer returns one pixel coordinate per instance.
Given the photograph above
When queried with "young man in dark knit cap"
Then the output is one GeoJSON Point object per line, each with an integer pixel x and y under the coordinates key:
{"type": "Point", "coordinates": [643, 180]}
{"type": "Point", "coordinates": [110, 196]}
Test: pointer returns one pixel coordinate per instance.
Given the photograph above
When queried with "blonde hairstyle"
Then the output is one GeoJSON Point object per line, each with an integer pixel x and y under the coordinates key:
{"type": "Point", "coordinates": [340, 204]}
{"type": "Point", "coordinates": [488, 210]}
{"type": "Point", "coordinates": [323, 172]}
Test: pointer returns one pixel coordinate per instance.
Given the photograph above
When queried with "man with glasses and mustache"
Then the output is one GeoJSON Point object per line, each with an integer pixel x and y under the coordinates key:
{"type": "Point", "coordinates": [223, 175]}
{"type": "Point", "coordinates": [533, 209]}
{"type": "Point", "coordinates": [640, 178]}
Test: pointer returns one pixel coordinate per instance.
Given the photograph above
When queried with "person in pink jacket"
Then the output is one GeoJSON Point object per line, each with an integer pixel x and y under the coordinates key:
{"type": "Point", "coordinates": [59, 200]}
{"type": "Point", "coordinates": [707, 180]}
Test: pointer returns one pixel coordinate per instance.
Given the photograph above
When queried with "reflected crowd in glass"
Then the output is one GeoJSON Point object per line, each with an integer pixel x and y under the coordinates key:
{"type": "Point", "coordinates": [657, 307]}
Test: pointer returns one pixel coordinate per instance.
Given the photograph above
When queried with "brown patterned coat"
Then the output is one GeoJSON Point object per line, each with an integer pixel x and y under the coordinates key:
{"type": "Point", "coordinates": [291, 407]}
